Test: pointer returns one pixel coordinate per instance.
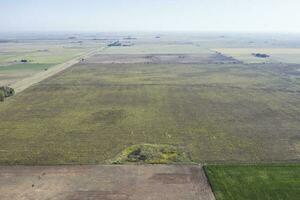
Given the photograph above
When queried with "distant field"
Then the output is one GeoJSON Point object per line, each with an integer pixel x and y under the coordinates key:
{"type": "Point", "coordinates": [215, 112]}
{"type": "Point", "coordinates": [15, 72]}
{"type": "Point", "coordinates": [40, 55]}
{"type": "Point", "coordinates": [273, 182]}
{"type": "Point", "coordinates": [46, 52]}
{"type": "Point", "coordinates": [25, 66]}
{"type": "Point", "coordinates": [285, 55]}
{"type": "Point", "coordinates": [182, 58]}
{"type": "Point", "coordinates": [158, 49]}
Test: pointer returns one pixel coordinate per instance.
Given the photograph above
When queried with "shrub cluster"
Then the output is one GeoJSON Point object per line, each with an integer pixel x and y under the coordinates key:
{"type": "Point", "coordinates": [5, 92]}
{"type": "Point", "coordinates": [152, 154]}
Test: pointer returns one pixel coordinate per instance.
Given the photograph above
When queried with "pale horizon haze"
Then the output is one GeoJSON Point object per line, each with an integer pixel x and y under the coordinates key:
{"type": "Point", "coordinates": [145, 15]}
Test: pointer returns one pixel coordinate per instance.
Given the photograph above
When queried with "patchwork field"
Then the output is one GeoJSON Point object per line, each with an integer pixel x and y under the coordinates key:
{"type": "Point", "coordinates": [215, 112]}
{"type": "Point", "coordinates": [178, 99]}
{"type": "Point", "coordinates": [272, 182]}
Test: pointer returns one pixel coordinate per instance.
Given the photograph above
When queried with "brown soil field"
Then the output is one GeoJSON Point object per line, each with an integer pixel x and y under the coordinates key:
{"type": "Point", "coordinates": [129, 182]}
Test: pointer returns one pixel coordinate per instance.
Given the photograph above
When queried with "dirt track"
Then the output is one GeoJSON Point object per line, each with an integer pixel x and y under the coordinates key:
{"type": "Point", "coordinates": [155, 182]}
{"type": "Point", "coordinates": [27, 82]}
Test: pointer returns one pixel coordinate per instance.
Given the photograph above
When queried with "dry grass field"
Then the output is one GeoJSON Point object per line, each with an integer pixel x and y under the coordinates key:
{"type": "Point", "coordinates": [91, 112]}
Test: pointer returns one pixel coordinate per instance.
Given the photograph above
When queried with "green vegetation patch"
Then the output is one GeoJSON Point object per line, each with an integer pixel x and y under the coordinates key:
{"type": "Point", "coordinates": [152, 154]}
{"type": "Point", "coordinates": [255, 182]}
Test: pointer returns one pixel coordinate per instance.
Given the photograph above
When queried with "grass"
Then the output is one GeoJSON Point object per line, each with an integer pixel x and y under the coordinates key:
{"type": "Point", "coordinates": [92, 112]}
{"type": "Point", "coordinates": [265, 182]}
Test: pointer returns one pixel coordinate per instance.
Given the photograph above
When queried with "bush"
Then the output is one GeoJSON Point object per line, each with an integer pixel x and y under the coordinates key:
{"type": "Point", "coordinates": [115, 44]}
{"type": "Point", "coordinates": [6, 91]}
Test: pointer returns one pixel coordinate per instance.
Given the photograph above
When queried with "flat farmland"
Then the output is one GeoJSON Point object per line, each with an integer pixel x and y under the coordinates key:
{"type": "Point", "coordinates": [159, 48]}
{"type": "Point", "coordinates": [166, 58]}
{"type": "Point", "coordinates": [15, 72]}
{"type": "Point", "coordinates": [277, 55]}
{"type": "Point", "coordinates": [40, 56]}
{"type": "Point", "coordinates": [91, 112]}
{"type": "Point", "coordinates": [43, 51]}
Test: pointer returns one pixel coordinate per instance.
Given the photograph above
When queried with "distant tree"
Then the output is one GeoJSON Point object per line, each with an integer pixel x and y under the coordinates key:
{"type": "Point", "coordinates": [115, 44]}
{"type": "Point", "coordinates": [7, 91]}
{"type": "Point", "coordinates": [260, 55]}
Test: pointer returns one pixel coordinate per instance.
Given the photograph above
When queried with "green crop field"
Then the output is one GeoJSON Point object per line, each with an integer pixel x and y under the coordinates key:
{"type": "Point", "coordinates": [92, 112]}
{"type": "Point", "coordinates": [261, 182]}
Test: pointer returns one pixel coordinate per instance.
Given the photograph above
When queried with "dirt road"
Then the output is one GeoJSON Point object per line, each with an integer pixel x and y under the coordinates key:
{"type": "Point", "coordinates": [27, 82]}
{"type": "Point", "coordinates": [152, 182]}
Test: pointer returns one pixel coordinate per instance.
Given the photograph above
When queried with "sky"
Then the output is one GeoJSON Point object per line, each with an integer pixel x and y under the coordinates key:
{"type": "Point", "coordinates": [150, 15]}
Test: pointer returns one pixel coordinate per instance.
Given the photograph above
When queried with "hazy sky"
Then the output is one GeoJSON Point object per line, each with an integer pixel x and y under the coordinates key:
{"type": "Point", "coordinates": [150, 15]}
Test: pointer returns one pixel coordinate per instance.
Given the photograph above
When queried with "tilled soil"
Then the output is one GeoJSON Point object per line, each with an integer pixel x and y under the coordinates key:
{"type": "Point", "coordinates": [127, 182]}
